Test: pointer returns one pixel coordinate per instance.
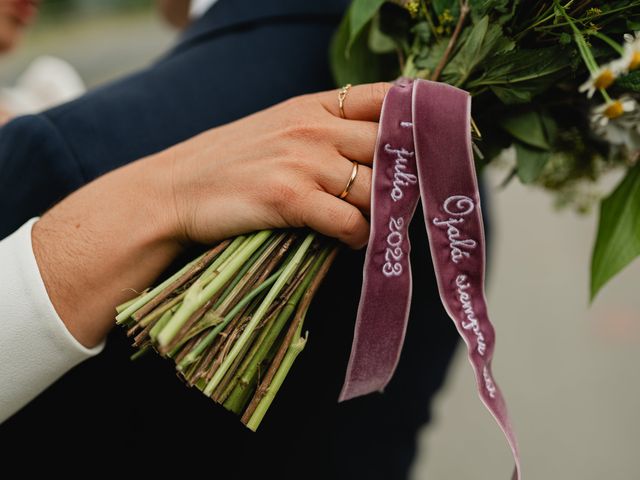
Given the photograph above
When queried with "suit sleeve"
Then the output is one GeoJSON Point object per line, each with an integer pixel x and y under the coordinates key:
{"type": "Point", "coordinates": [37, 169]}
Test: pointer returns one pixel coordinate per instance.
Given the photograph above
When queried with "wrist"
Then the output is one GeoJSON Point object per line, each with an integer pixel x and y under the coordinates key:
{"type": "Point", "coordinates": [169, 193]}
{"type": "Point", "coordinates": [104, 241]}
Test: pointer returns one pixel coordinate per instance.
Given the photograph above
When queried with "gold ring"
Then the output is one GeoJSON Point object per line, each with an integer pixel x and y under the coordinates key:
{"type": "Point", "coordinates": [342, 94]}
{"type": "Point", "coordinates": [354, 172]}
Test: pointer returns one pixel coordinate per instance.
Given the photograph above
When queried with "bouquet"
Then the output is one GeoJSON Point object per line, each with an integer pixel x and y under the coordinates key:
{"type": "Point", "coordinates": [232, 319]}
{"type": "Point", "coordinates": [554, 81]}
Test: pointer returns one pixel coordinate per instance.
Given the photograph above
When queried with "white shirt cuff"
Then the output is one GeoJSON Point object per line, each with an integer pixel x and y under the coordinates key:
{"type": "Point", "coordinates": [36, 348]}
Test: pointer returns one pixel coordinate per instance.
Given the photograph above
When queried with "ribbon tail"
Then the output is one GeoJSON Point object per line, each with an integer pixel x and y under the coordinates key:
{"type": "Point", "coordinates": [453, 220]}
{"type": "Point", "coordinates": [385, 298]}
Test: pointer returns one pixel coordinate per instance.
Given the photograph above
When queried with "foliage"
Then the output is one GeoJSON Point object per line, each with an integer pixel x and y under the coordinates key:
{"type": "Point", "coordinates": [524, 63]}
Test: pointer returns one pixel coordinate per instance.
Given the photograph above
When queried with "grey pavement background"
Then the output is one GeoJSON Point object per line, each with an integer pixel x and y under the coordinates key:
{"type": "Point", "coordinates": [569, 372]}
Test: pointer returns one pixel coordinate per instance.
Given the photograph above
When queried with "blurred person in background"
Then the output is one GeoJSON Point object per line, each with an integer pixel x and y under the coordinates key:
{"type": "Point", "coordinates": [233, 59]}
{"type": "Point", "coordinates": [15, 17]}
{"type": "Point", "coordinates": [47, 81]}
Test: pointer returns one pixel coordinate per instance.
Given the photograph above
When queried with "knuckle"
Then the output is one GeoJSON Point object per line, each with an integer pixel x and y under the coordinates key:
{"type": "Point", "coordinates": [295, 163]}
{"type": "Point", "coordinates": [367, 180]}
{"type": "Point", "coordinates": [288, 199]}
{"type": "Point", "coordinates": [298, 104]}
{"type": "Point", "coordinates": [378, 90]}
{"type": "Point", "coordinates": [292, 102]}
{"type": "Point", "coordinates": [283, 194]}
{"type": "Point", "coordinates": [301, 131]}
{"type": "Point", "coordinates": [350, 225]}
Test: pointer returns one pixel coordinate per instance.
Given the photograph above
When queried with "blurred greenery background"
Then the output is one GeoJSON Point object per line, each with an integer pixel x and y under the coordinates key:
{"type": "Point", "coordinates": [55, 10]}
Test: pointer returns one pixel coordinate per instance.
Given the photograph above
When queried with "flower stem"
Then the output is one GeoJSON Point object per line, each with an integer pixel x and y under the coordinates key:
{"type": "Point", "coordinates": [206, 341]}
{"type": "Point", "coordinates": [147, 297]}
{"type": "Point", "coordinates": [257, 317]}
{"type": "Point", "coordinates": [200, 295]}
{"type": "Point", "coordinates": [581, 43]}
{"type": "Point", "coordinates": [609, 41]}
{"type": "Point", "coordinates": [296, 346]}
{"type": "Point", "coordinates": [196, 268]}
{"type": "Point", "coordinates": [270, 337]}
{"type": "Point", "coordinates": [464, 11]}
{"type": "Point", "coordinates": [295, 326]}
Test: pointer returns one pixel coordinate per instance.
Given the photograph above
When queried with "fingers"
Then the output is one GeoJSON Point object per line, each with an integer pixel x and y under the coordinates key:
{"type": "Point", "coordinates": [362, 102]}
{"type": "Point", "coordinates": [355, 140]}
{"type": "Point", "coordinates": [334, 176]}
{"type": "Point", "coordinates": [336, 218]}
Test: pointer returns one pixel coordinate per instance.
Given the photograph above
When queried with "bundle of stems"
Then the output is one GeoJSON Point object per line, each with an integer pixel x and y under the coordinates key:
{"type": "Point", "coordinates": [231, 320]}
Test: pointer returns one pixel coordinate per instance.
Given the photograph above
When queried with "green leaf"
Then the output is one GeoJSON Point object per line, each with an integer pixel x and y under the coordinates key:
{"type": "Point", "coordinates": [517, 76]}
{"type": "Point", "coordinates": [361, 66]}
{"type": "Point", "coordinates": [630, 82]}
{"type": "Point", "coordinates": [512, 96]}
{"type": "Point", "coordinates": [422, 30]}
{"type": "Point", "coordinates": [360, 13]}
{"type": "Point", "coordinates": [532, 128]}
{"type": "Point", "coordinates": [461, 65]}
{"type": "Point", "coordinates": [481, 40]}
{"type": "Point", "coordinates": [618, 240]}
{"type": "Point", "coordinates": [441, 5]}
{"type": "Point", "coordinates": [633, 25]}
{"type": "Point", "coordinates": [380, 42]}
{"type": "Point", "coordinates": [480, 8]}
{"type": "Point", "coordinates": [429, 58]}
{"type": "Point", "coordinates": [530, 162]}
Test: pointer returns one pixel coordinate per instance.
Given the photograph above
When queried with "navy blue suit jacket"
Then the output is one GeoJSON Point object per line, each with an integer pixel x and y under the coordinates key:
{"type": "Point", "coordinates": [242, 56]}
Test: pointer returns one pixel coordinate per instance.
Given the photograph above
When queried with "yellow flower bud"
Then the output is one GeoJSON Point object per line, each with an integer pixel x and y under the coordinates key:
{"type": "Point", "coordinates": [635, 61]}
{"type": "Point", "coordinates": [614, 109]}
{"type": "Point", "coordinates": [605, 79]}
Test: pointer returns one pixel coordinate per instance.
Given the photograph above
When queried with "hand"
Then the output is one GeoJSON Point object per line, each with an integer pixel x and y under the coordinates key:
{"type": "Point", "coordinates": [5, 116]}
{"type": "Point", "coordinates": [281, 167]}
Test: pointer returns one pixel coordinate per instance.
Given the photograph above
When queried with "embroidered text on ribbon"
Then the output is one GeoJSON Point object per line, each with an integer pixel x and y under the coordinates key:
{"type": "Point", "coordinates": [400, 177]}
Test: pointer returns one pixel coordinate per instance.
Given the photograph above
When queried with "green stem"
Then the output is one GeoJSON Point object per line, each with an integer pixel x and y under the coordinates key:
{"type": "Point", "coordinates": [146, 298]}
{"type": "Point", "coordinates": [225, 257]}
{"type": "Point", "coordinates": [296, 346]}
{"type": "Point", "coordinates": [237, 285]}
{"type": "Point", "coordinates": [125, 305]}
{"type": "Point", "coordinates": [605, 95]}
{"type": "Point", "coordinates": [265, 346]}
{"type": "Point", "coordinates": [427, 15]}
{"type": "Point", "coordinates": [159, 311]}
{"type": "Point", "coordinates": [144, 349]}
{"type": "Point", "coordinates": [206, 341]}
{"type": "Point", "coordinates": [464, 11]}
{"type": "Point", "coordinates": [609, 41]}
{"type": "Point", "coordinates": [294, 327]}
{"type": "Point", "coordinates": [183, 282]}
{"type": "Point", "coordinates": [581, 43]}
{"type": "Point", "coordinates": [164, 319]}
{"type": "Point", "coordinates": [591, 18]}
{"type": "Point", "coordinates": [257, 317]}
{"type": "Point", "coordinates": [543, 20]}
{"type": "Point", "coordinates": [197, 296]}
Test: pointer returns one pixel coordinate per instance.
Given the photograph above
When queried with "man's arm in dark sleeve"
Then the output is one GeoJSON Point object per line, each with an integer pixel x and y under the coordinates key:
{"type": "Point", "coordinates": [37, 169]}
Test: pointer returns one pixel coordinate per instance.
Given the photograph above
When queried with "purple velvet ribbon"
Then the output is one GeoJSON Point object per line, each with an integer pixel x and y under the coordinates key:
{"type": "Point", "coordinates": [423, 151]}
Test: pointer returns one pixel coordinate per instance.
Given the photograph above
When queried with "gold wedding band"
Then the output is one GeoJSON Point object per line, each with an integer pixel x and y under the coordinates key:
{"type": "Point", "coordinates": [354, 172]}
{"type": "Point", "coordinates": [342, 94]}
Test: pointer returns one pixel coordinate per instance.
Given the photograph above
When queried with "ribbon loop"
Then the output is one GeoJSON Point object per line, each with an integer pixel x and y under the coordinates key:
{"type": "Point", "coordinates": [423, 151]}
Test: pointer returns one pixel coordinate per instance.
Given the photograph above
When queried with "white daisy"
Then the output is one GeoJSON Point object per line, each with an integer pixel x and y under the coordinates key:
{"type": "Point", "coordinates": [602, 114]}
{"type": "Point", "coordinates": [630, 59]}
{"type": "Point", "coordinates": [630, 38]}
{"type": "Point", "coordinates": [601, 78]}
